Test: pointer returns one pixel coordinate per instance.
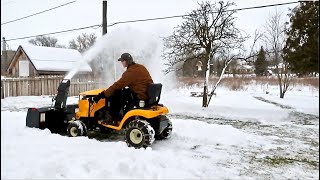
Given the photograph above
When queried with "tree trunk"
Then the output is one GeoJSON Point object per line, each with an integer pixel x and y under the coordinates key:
{"type": "Point", "coordinates": [205, 95]}
{"type": "Point", "coordinates": [280, 85]}
{"type": "Point", "coordinates": [282, 95]}
{"type": "Point", "coordinates": [206, 82]}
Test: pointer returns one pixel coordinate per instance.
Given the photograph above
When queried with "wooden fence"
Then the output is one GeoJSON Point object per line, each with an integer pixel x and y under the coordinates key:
{"type": "Point", "coordinates": [47, 85]}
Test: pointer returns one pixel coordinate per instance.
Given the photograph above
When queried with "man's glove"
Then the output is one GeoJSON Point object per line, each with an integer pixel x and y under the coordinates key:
{"type": "Point", "coordinates": [98, 97]}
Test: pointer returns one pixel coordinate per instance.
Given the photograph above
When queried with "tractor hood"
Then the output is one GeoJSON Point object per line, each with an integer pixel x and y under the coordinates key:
{"type": "Point", "coordinates": [91, 92]}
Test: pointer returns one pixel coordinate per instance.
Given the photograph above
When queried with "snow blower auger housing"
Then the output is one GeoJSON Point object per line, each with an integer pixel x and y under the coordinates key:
{"type": "Point", "coordinates": [142, 125]}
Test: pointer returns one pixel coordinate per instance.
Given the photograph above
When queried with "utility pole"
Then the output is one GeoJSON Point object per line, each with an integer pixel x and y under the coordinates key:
{"type": "Point", "coordinates": [4, 61]}
{"type": "Point", "coordinates": [4, 44]}
{"type": "Point", "coordinates": [104, 18]}
{"type": "Point", "coordinates": [114, 65]}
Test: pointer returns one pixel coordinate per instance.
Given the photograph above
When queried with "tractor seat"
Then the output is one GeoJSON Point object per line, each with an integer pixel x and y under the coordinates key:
{"type": "Point", "coordinates": [154, 92]}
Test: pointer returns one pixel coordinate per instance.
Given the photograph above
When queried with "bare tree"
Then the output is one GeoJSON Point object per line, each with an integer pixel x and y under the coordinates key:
{"type": "Point", "coordinates": [274, 37]}
{"type": "Point", "coordinates": [204, 32]}
{"type": "Point", "coordinates": [45, 41]}
{"type": "Point", "coordinates": [83, 42]}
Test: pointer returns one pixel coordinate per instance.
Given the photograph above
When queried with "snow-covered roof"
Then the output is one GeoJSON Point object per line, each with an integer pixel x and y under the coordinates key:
{"type": "Point", "coordinates": [55, 59]}
{"type": "Point", "coordinates": [242, 62]}
{"type": "Point", "coordinates": [280, 65]}
{"type": "Point", "coordinates": [247, 67]}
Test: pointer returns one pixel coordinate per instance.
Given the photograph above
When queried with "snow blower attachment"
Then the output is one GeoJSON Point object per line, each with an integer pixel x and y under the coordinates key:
{"type": "Point", "coordinates": [55, 117]}
{"type": "Point", "coordinates": [143, 124]}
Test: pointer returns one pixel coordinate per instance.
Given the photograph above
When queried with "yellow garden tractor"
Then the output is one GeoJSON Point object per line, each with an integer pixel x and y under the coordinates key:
{"type": "Point", "coordinates": [142, 124]}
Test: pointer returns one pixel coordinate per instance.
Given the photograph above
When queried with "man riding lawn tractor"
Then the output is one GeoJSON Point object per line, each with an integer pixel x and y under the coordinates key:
{"type": "Point", "coordinates": [137, 78]}
{"type": "Point", "coordinates": [131, 103]}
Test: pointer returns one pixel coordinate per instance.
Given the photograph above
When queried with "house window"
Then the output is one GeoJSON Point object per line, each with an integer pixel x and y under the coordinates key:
{"type": "Point", "coordinates": [199, 66]}
{"type": "Point", "coordinates": [23, 68]}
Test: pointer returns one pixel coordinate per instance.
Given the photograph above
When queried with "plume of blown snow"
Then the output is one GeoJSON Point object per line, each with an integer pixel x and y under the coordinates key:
{"type": "Point", "coordinates": [144, 47]}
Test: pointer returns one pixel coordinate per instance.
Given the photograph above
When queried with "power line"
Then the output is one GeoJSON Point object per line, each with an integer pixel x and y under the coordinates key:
{"type": "Point", "coordinates": [139, 20]}
{"type": "Point", "coordinates": [150, 19]}
{"type": "Point", "coordinates": [168, 17]}
{"type": "Point", "coordinates": [54, 32]}
{"type": "Point", "coordinates": [7, 3]}
{"type": "Point", "coordinates": [270, 5]}
{"type": "Point", "coordinates": [37, 13]}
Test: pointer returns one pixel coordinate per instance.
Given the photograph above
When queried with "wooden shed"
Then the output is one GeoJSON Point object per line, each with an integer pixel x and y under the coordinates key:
{"type": "Point", "coordinates": [30, 61]}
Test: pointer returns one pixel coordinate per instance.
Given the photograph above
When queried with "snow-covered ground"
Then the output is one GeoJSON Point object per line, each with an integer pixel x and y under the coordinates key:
{"type": "Point", "coordinates": [242, 135]}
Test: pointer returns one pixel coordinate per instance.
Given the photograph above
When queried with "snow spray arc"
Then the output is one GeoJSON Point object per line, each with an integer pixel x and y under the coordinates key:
{"type": "Point", "coordinates": [143, 46]}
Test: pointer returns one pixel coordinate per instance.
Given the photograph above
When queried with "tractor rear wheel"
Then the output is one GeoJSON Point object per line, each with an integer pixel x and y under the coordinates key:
{"type": "Point", "coordinates": [76, 128]}
{"type": "Point", "coordinates": [139, 133]}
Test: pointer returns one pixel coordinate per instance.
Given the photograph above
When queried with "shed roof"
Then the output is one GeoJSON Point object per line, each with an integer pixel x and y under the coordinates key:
{"type": "Point", "coordinates": [55, 59]}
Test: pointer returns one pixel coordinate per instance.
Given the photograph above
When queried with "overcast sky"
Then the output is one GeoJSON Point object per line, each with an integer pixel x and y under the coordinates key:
{"type": "Point", "coordinates": [89, 12]}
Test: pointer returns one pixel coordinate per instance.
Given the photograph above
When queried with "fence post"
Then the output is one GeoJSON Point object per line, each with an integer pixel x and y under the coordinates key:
{"type": "Point", "coordinates": [2, 93]}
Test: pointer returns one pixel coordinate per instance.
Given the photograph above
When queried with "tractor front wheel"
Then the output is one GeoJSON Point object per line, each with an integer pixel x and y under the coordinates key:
{"type": "Point", "coordinates": [139, 133]}
{"type": "Point", "coordinates": [76, 128]}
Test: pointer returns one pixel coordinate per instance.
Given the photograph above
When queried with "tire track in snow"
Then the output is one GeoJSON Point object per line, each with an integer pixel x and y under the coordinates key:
{"type": "Point", "coordinates": [239, 124]}
{"type": "Point", "coordinates": [274, 103]}
{"type": "Point", "coordinates": [297, 139]}
{"type": "Point", "coordinates": [302, 118]}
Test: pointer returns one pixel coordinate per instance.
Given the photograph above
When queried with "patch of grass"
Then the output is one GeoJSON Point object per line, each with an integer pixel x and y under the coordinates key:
{"type": "Point", "coordinates": [310, 81]}
{"type": "Point", "coordinates": [314, 143]}
{"type": "Point", "coordinates": [278, 160]}
{"type": "Point", "coordinates": [236, 86]}
{"type": "Point", "coordinates": [201, 156]}
{"type": "Point", "coordinates": [244, 124]}
{"type": "Point", "coordinates": [304, 119]}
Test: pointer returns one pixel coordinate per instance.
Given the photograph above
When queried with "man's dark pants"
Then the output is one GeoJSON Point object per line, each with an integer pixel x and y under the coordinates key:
{"type": "Point", "coordinates": [124, 99]}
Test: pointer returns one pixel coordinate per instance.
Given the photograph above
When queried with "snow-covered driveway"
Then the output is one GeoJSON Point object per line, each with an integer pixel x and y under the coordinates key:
{"type": "Point", "coordinates": [241, 135]}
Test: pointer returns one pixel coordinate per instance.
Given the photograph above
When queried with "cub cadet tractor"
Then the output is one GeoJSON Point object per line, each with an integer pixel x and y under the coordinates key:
{"type": "Point", "coordinates": [142, 125]}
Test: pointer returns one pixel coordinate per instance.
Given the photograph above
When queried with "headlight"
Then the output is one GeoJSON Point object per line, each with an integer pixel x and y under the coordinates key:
{"type": "Point", "coordinates": [42, 117]}
{"type": "Point", "coordinates": [76, 110]}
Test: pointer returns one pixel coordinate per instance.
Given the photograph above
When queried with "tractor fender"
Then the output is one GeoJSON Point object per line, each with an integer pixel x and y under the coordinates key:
{"type": "Point", "coordinates": [149, 113]}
